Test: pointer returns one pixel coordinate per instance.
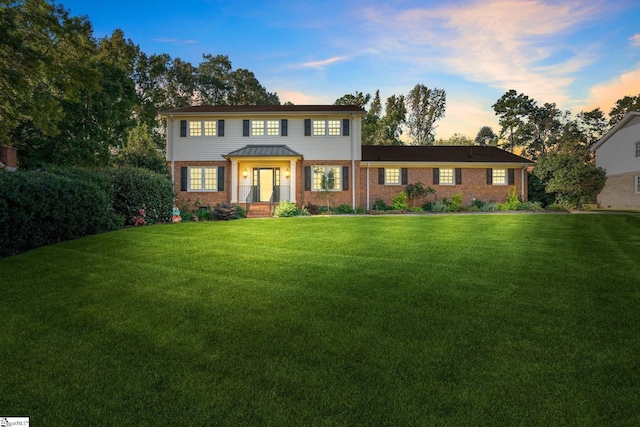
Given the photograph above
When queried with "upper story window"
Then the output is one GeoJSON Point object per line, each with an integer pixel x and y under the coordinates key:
{"type": "Point", "coordinates": [202, 128]}
{"type": "Point", "coordinates": [265, 127]}
{"type": "Point", "coordinates": [499, 177]}
{"type": "Point", "coordinates": [326, 127]}
{"type": "Point", "coordinates": [638, 149]}
{"type": "Point", "coordinates": [447, 177]}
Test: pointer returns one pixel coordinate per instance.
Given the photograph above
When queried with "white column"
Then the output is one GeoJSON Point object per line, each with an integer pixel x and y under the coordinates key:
{"type": "Point", "coordinates": [292, 181]}
{"type": "Point", "coordinates": [234, 181]}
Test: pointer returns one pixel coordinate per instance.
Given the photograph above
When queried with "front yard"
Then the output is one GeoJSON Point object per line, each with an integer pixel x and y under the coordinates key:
{"type": "Point", "coordinates": [416, 320]}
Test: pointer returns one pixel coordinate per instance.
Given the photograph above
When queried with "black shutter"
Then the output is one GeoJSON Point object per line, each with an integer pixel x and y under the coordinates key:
{"type": "Point", "coordinates": [307, 127]}
{"type": "Point", "coordinates": [458, 176]}
{"type": "Point", "coordinates": [489, 176]}
{"type": "Point", "coordinates": [220, 127]}
{"type": "Point", "coordinates": [381, 176]}
{"type": "Point", "coordinates": [404, 173]}
{"type": "Point", "coordinates": [183, 179]}
{"type": "Point", "coordinates": [245, 128]}
{"type": "Point", "coordinates": [512, 177]}
{"type": "Point", "coordinates": [284, 127]}
{"type": "Point", "coordinates": [436, 176]}
{"type": "Point", "coordinates": [345, 178]}
{"type": "Point", "coordinates": [307, 178]}
{"type": "Point", "coordinates": [221, 178]}
{"type": "Point", "coordinates": [183, 128]}
{"type": "Point", "coordinates": [345, 127]}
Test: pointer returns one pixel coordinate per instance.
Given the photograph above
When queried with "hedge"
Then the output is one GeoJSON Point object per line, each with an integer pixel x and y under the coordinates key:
{"type": "Point", "coordinates": [43, 207]}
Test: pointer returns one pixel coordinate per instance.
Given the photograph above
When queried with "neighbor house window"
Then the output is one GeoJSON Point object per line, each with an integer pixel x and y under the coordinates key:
{"type": "Point", "coordinates": [638, 149]}
{"type": "Point", "coordinates": [392, 176]}
{"type": "Point", "coordinates": [499, 177]}
{"type": "Point", "coordinates": [326, 177]}
{"type": "Point", "coordinates": [203, 179]}
{"type": "Point", "coordinates": [446, 177]}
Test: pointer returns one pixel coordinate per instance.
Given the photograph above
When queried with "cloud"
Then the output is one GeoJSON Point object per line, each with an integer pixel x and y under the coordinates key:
{"type": "Point", "coordinates": [509, 44]}
{"type": "Point", "coordinates": [466, 117]}
{"type": "Point", "coordinates": [606, 94]}
{"type": "Point", "coordinates": [299, 98]}
{"type": "Point", "coordinates": [320, 64]}
{"type": "Point", "coordinates": [174, 41]}
{"type": "Point", "coordinates": [635, 40]}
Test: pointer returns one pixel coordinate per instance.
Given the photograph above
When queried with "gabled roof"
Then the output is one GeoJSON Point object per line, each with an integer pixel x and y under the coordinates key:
{"type": "Point", "coordinates": [247, 109]}
{"type": "Point", "coordinates": [440, 154]}
{"type": "Point", "coordinates": [623, 123]}
{"type": "Point", "coordinates": [263, 151]}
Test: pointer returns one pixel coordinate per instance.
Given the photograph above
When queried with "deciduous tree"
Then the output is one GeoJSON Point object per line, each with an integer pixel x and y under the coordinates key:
{"type": "Point", "coordinates": [424, 107]}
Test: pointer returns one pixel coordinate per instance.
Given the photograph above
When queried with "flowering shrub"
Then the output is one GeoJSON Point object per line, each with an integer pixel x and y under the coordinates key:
{"type": "Point", "coordinates": [140, 218]}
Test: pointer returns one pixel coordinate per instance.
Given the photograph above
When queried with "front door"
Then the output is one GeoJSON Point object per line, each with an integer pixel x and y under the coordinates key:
{"type": "Point", "coordinates": [265, 184]}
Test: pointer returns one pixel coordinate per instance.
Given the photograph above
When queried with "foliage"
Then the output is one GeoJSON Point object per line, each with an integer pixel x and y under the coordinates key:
{"type": "Point", "coordinates": [359, 99]}
{"type": "Point", "coordinates": [486, 136]}
{"type": "Point", "coordinates": [556, 207]}
{"type": "Point", "coordinates": [136, 189]}
{"type": "Point", "coordinates": [343, 209]}
{"type": "Point", "coordinates": [378, 129]}
{"type": "Point", "coordinates": [313, 209]}
{"type": "Point", "coordinates": [537, 190]}
{"type": "Point", "coordinates": [400, 201]}
{"type": "Point", "coordinates": [456, 203]}
{"type": "Point", "coordinates": [289, 209]}
{"type": "Point", "coordinates": [140, 151]}
{"type": "Point", "coordinates": [424, 106]}
{"type": "Point", "coordinates": [140, 218]}
{"type": "Point", "coordinates": [457, 140]}
{"type": "Point", "coordinates": [416, 209]}
{"type": "Point", "coordinates": [511, 108]}
{"type": "Point", "coordinates": [623, 107]}
{"type": "Point", "coordinates": [204, 213]}
{"type": "Point", "coordinates": [512, 203]}
{"type": "Point", "coordinates": [489, 207]}
{"type": "Point", "coordinates": [225, 212]}
{"type": "Point", "coordinates": [418, 191]}
{"type": "Point", "coordinates": [380, 205]}
{"type": "Point", "coordinates": [531, 206]}
{"type": "Point", "coordinates": [242, 212]}
{"type": "Point", "coordinates": [39, 208]}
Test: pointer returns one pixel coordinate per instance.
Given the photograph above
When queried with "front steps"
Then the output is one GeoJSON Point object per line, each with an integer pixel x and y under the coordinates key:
{"type": "Point", "coordinates": [259, 210]}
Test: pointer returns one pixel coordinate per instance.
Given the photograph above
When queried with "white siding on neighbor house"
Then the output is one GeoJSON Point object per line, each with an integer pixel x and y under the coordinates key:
{"type": "Point", "coordinates": [618, 154]}
{"type": "Point", "coordinates": [311, 147]}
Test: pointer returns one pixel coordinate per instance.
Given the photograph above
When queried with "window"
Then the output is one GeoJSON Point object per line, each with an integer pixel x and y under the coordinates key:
{"type": "Point", "coordinates": [638, 184]}
{"type": "Point", "coordinates": [446, 177]}
{"type": "Point", "coordinates": [203, 179]}
{"type": "Point", "coordinates": [334, 127]}
{"type": "Point", "coordinates": [265, 127]}
{"type": "Point", "coordinates": [638, 149]}
{"type": "Point", "coordinates": [319, 128]}
{"type": "Point", "coordinates": [392, 176]}
{"type": "Point", "coordinates": [326, 177]}
{"type": "Point", "coordinates": [327, 127]}
{"type": "Point", "coordinates": [203, 127]}
{"type": "Point", "coordinates": [195, 128]}
{"type": "Point", "coordinates": [257, 127]}
{"type": "Point", "coordinates": [499, 177]}
{"type": "Point", "coordinates": [210, 128]}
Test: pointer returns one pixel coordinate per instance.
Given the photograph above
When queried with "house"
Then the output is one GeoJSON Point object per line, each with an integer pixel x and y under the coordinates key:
{"type": "Point", "coordinates": [618, 152]}
{"type": "Point", "coordinates": [270, 153]}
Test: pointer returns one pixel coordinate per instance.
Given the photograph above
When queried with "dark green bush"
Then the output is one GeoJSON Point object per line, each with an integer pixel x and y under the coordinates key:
{"type": "Point", "coordinates": [136, 189]}
{"type": "Point", "coordinates": [343, 209]}
{"type": "Point", "coordinates": [380, 205]}
{"type": "Point", "coordinates": [225, 212]}
{"type": "Point", "coordinates": [313, 209]}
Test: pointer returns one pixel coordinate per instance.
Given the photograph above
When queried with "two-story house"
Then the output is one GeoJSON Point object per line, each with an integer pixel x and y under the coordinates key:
{"type": "Point", "coordinates": [265, 153]}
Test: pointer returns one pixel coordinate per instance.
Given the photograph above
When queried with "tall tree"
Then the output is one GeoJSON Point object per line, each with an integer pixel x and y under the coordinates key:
{"type": "Point", "coordinates": [512, 108]}
{"type": "Point", "coordinates": [213, 80]}
{"type": "Point", "coordinates": [622, 108]}
{"type": "Point", "coordinates": [359, 99]}
{"type": "Point", "coordinates": [486, 136]}
{"type": "Point", "coordinates": [245, 89]}
{"type": "Point", "coordinates": [389, 127]}
{"type": "Point", "coordinates": [542, 130]}
{"type": "Point", "coordinates": [457, 140]}
{"type": "Point", "coordinates": [424, 107]}
{"type": "Point", "coordinates": [371, 120]}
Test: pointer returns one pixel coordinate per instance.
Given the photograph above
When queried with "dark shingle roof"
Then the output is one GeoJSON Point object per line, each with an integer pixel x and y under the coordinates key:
{"type": "Point", "coordinates": [263, 151]}
{"type": "Point", "coordinates": [451, 154]}
{"type": "Point", "coordinates": [267, 109]}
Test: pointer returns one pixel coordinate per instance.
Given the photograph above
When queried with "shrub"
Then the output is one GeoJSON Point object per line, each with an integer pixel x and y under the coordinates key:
{"type": "Point", "coordinates": [225, 212]}
{"type": "Point", "coordinates": [313, 209]}
{"type": "Point", "coordinates": [343, 209]}
{"type": "Point", "coordinates": [512, 203]}
{"type": "Point", "coordinates": [418, 191]}
{"type": "Point", "coordinates": [439, 206]}
{"type": "Point", "coordinates": [136, 189]}
{"type": "Point", "coordinates": [489, 207]}
{"type": "Point", "coordinates": [416, 209]}
{"type": "Point", "coordinates": [204, 213]}
{"type": "Point", "coordinates": [289, 209]}
{"type": "Point", "coordinates": [380, 205]}
{"type": "Point", "coordinates": [531, 206]}
{"type": "Point", "coordinates": [477, 204]}
{"type": "Point", "coordinates": [400, 201]}
{"type": "Point", "coordinates": [242, 212]}
{"type": "Point", "coordinates": [456, 203]}
{"type": "Point", "coordinates": [359, 211]}
{"type": "Point", "coordinates": [555, 207]}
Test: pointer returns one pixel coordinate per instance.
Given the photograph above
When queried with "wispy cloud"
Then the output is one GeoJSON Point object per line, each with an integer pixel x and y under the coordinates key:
{"type": "Point", "coordinates": [174, 41]}
{"type": "Point", "coordinates": [635, 39]}
{"type": "Point", "coordinates": [606, 94]}
{"type": "Point", "coordinates": [517, 44]}
{"type": "Point", "coordinates": [320, 64]}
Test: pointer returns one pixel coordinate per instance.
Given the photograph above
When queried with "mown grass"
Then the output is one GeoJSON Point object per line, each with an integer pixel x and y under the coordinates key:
{"type": "Point", "coordinates": [436, 320]}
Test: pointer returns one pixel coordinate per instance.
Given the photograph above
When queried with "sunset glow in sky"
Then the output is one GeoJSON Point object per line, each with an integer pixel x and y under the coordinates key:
{"type": "Point", "coordinates": [579, 54]}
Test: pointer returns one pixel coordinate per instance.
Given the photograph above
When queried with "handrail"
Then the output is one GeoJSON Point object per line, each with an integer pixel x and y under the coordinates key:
{"type": "Point", "coordinates": [271, 202]}
{"type": "Point", "coordinates": [248, 201]}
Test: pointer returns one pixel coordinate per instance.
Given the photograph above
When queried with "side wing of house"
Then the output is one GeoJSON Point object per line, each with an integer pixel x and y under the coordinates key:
{"type": "Point", "coordinates": [618, 152]}
{"type": "Point", "coordinates": [477, 173]}
{"type": "Point", "coordinates": [243, 154]}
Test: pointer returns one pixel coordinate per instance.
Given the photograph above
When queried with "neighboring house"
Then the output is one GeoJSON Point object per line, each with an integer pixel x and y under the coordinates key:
{"type": "Point", "coordinates": [255, 154]}
{"type": "Point", "coordinates": [8, 158]}
{"type": "Point", "coordinates": [618, 152]}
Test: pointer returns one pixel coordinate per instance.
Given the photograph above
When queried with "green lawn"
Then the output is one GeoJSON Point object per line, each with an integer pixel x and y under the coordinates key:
{"type": "Point", "coordinates": [465, 320]}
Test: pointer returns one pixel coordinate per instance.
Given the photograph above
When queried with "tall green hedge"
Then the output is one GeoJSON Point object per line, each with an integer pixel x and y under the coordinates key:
{"type": "Point", "coordinates": [43, 207]}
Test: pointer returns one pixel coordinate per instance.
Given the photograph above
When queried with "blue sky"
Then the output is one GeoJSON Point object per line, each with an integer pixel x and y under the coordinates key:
{"type": "Point", "coordinates": [579, 54]}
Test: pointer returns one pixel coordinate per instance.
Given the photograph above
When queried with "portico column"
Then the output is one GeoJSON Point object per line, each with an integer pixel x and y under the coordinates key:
{"type": "Point", "coordinates": [234, 181]}
{"type": "Point", "coordinates": [292, 181]}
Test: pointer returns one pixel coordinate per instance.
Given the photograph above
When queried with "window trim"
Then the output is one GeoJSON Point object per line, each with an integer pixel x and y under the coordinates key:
{"type": "Point", "coordinates": [637, 148]}
{"type": "Point", "coordinates": [202, 179]}
{"type": "Point", "coordinates": [453, 176]}
{"type": "Point", "coordinates": [338, 184]}
{"type": "Point", "coordinates": [338, 125]}
{"type": "Point", "coordinates": [214, 124]}
{"type": "Point", "coordinates": [505, 180]}
{"type": "Point", "coordinates": [637, 182]}
{"type": "Point", "coordinates": [386, 180]}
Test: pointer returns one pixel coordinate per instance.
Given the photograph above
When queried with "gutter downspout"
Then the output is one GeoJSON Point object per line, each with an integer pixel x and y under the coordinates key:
{"type": "Point", "coordinates": [353, 168]}
{"type": "Point", "coordinates": [368, 203]}
{"type": "Point", "coordinates": [522, 182]}
{"type": "Point", "coordinates": [173, 168]}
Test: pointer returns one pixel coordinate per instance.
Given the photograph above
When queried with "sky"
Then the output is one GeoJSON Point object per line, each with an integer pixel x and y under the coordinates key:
{"type": "Point", "coordinates": [579, 54]}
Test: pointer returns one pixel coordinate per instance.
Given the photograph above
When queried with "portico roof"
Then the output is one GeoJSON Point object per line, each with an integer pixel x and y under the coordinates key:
{"type": "Point", "coordinates": [263, 151]}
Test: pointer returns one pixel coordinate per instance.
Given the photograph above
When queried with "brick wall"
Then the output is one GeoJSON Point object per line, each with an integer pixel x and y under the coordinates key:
{"type": "Point", "coordinates": [206, 197]}
{"type": "Point", "coordinates": [619, 192]}
{"type": "Point", "coordinates": [318, 198]}
{"type": "Point", "coordinates": [474, 185]}
{"type": "Point", "coordinates": [9, 156]}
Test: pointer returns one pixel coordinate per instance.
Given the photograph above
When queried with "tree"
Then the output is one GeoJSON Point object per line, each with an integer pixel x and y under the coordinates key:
{"type": "Point", "coordinates": [623, 107]}
{"type": "Point", "coordinates": [245, 89]}
{"type": "Point", "coordinates": [542, 130]}
{"type": "Point", "coordinates": [486, 136]}
{"type": "Point", "coordinates": [371, 120]}
{"type": "Point", "coordinates": [389, 127]}
{"type": "Point", "coordinates": [456, 139]}
{"type": "Point", "coordinates": [512, 108]}
{"type": "Point", "coordinates": [418, 191]}
{"type": "Point", "coordinates": [425, 106]}
{"type": "Point", "coordinates": [213, 77]}
{"type": "Point", "coordinates": [141, 152]}
{"type": "Point", "coordinates": [359, 99]}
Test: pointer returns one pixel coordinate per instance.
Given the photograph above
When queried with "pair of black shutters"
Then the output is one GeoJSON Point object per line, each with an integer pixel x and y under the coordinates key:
{"type": "Point", "coordinates": [436, 176]}
{"type": "Point", "coordinates": [307, 127]}
{"type": "Point", "coordinates": [404, 176]}
{"type": "Point", "coordinates": [510, 176]}
{"type": "Point", "coordinates": [284, 127]}
{"type": "Point", "coordinates": [308, 176]}
{"type": "Point", "coordinates": [184, 130]}
{"type": "Point", "coordinates": [184, 178]}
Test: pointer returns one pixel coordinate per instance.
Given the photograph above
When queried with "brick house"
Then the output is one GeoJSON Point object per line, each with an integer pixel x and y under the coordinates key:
{"type": "Point", "coordinates": [8, 158]}
{"type": "Point", "coordinates": [269, 153]}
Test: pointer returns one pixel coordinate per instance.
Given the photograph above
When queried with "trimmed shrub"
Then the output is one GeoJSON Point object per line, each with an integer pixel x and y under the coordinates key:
{"type": "Point", "coordinates": [288, 209]}
{"type": "Point", "coordinates": [225, 212]}
{"type": "Point", "coordinates": [456, 203]}
{"type": "Point", "coordinates": [380, 205]}
{"type": "Point", "coordinates": [489, 207]}
{"type": "Point", "coordinates": [400, 201]}
{"type": "Point", "coordinates": [136, 189]}
{"type": "Point", "coordinates": [343, 209]}
{"type": "Point", "coordinates": [242, 212]}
